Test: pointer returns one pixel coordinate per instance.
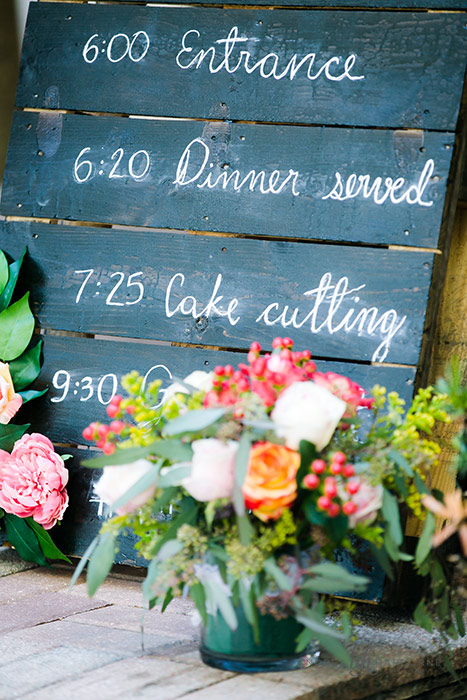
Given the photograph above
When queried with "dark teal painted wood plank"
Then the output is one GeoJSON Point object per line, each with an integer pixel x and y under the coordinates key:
{"type": "Point", "coordinates": [63, 421]}
{"type": "Point", "coordinates": [78, 167]}
{"type": "Point", "coordinates": [342, 301]}
{"type": "Point", "coordinates": [370, 4]}
{"type": "Point", "coordinates": [412, 64]}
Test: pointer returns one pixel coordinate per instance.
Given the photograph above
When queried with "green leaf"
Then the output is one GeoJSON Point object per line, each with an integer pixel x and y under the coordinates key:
{"type": "Point", "coordinates": [315, 622]}
{"type": "Point", "coordinates": [46, 543]}
{"type": "Point", "coordinates": [5, 296]}
{"type": "Point", "coordinates": [83, 561]}
{"type": "Point", "coordinates": [198, 596]}
{"type": "Point", "coordinates": [392, 517]}
{"type": "Point", "coordinates": [420, 484]}
{"type": "Point", "coordinates": [383, 560]}
{"type": "Point", "coordinates": [307, 455]}
{"type": "Point", "coordinates": [401, 462]}
{"type": "Point", "coordinates": [121, 456]}
{"type": "Point", "coordinates": [331, 578]}
{"type": "Point", "coordinates": [23, 539]}
{"type": "Point", "coordinates": [31, 394]}
{"type": "Point", "coordinates": [4, 271]}
{"type": "Point", "coordinates": [151, 576]}
{"type": "Point", "coordinates": [424, 543]}
{"type": "Point", "coordinates": [422, 618]}
{"type": "Point", "coordinates": [101, 561]}
{"type": "Point", "coordinates": [282, 580]}
{"type": "Point", "coordinates": [242, 459]}
{"type": "Point", "coordinates": [188, 514]}
{"type": "Point", "coordinates": [16, 329]}
{"type": "Point", "coordinates": [459, 619]}
{"type": "Point", "coordinates": [169, 549]}
{"type": "Point", "coordinates": [393, 550]}
{"type": "Point", "coordinates": [169, 596]}
{"type": "Point", "coordinates": [173, 476]}
{"type": "Point", "coordinates": [303, 640]}
{"type": "Point", "coordinates": [194, 421]}
{"type": "Point", "coordinates": [25, 369]}
{"type": "Point", "coordinates": [245, 529]}
{"type": "Point", "coordinates": [219, 600]}
{"type": "Point", "coordinates": [10, 433]}
{"type": "Point", "coordinates": [141, 485]}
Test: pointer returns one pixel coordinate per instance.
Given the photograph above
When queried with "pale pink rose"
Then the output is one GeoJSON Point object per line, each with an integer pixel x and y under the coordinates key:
{"type": "Point", "coordinates": [200, 380]}
{"type": "Point", "coordinates": [10, 402]}
{"type": "Point", "coordinates": [306, 411]}
{"type": "Point", "coordinates": [117, 480]}
{"type": "Point", "coordinates": [212, 469]}
{"type": "Point", "coordinates": [368, 500]}
{"type": "Point", "coordinates": [32, 481]}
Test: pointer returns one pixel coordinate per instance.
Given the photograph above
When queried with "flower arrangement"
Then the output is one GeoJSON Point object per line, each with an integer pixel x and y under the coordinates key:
{"type": "Point", "coordinates": [242, 484]}
{"type": "Point", "coordinates": [33, 477]}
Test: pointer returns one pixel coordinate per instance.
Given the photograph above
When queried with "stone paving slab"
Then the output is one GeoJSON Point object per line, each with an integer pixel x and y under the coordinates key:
{"type": "Point", "coordinates": [42, 607]}
{"type": "Point", "coordinates": [58, 644]}
{"type": "Point", "coordinates": [147, 677]}
{"type": "Point", "coordinates": [11, 562]}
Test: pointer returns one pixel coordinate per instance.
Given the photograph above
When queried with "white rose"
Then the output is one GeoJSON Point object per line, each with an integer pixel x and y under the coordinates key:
{"type": "Point", "coordinates": [306, 411]}
{"type": "Point", "coordinates": [117, 480]}
{"type": "Point", "coordinates": [212, 469]}
{"type": "Point", "coordinates": [198, 380]}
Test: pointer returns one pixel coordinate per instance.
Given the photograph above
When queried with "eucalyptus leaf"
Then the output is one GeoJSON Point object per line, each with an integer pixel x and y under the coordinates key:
{"type": "Point", "coordinates": [169, 596]}
{"type": "Point", "coordinates": [46, 543]}
{"type": "Point", "coordinates": [23, 539]}
{"type": "Point", "coordinates": [121, 456]}
{"type": "Point", "coordinates": [245, 529]}
{"type": "Point", "coordinates": [10, 433]}
{"type": "Point", "coordinates": [317, 625]}
{"type": "Point", "coordinates": [147, 480]}
{"type": "Point", "coordinates": [169, 549]}
{"type": "Point", "coordinates": [4, 271]}
{"type": "Point", "coordinates": [188, 514]}
{"type": "Point", "coordinates": [401, 462]}
{"type": "Point", "coordinates": [173, 476]}
{"type": "Point", "coordinates": [391, 515]}
{"type": "Point", "coordinates": [199, 598]}
{"type": "Point", "coordinates": [31, 394]}
{"type": "Point", "coordinates": [218, 599]}
{"type": "Point", "coordinates": [25, 369]}
{"type": "Point", "coordinates": [83, 561]}
{"type": "Point", "coordinates": [242, 459]}
{"type": "Point", "coordinates": [283, 581]}
{"type": "Point", "coordinates": [101, 561]}
{"type": "Point", "coordinates": [424, 543]}
{"type": "Point", "coordinates": [383, 560]}
{"type": "Point", "coordinates": [194, 421]}
{"type": "Point", "coordinates": [16, 329]}
{"type": "Point", "coordinates": [14, 267]}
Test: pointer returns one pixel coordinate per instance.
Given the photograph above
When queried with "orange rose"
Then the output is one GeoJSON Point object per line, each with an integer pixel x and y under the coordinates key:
{"type": "Point", "coordinates": [10, 402]}
{"type": "Point", "coordinates": [270, 484]}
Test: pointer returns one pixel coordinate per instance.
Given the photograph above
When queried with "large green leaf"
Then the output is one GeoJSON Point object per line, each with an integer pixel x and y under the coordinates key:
{"type": "Point", "coordinates": [25, 369]}
{"type": "Point", "coordinates": [173, 476]}
{"type": "Point", "coordinates": [101, 561]}
{"type": "Point", "coordinates": [5, 296]}
{"type": "Point", "coordinates": [335, 576]}
{"type": "Point", "coordinates": [31, 394]}
{"type": "Point", "coordinates": [10, 433]}
{"type": "Point", "coordinates": [242, 459]}
{"type": "Point", "coordinates": [23, 539]}
{"type": "Point", "coordinates": [424, 543]}
{"type": "Point", "coordinates": [4, 271]}
{"type": "Point", "coordinates": [16, 329]}
{"type": "Point", "coordinates": [283, 581]}
{"type": "Point", "coordinates": [194, 421]}
{"type": "Point", "coordinates": [48, 546]}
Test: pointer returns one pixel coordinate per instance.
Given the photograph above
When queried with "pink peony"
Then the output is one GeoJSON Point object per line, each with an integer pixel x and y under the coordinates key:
{"type": "Point", "coordinates": [212, 469]}
{"type": "Point", "coordinates": [347, 390]}
{"type": "Point", "coordinates": [32, 481]}
{"type": "Point", "coordinates": [368, 500]}
{"type": "Point", "coordinates": [10, 402]}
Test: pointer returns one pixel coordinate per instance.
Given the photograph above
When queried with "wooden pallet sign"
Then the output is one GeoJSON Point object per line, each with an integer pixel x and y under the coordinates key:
{"type": "Point", "coordinates": [188, 179]}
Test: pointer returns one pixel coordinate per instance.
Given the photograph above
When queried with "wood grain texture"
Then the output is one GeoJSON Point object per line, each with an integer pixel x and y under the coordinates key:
{"type": "Point", "coordinates": [374, 4]}
{"type": "Point", "coordinates": [63, 421]}
{"type": "Point", "coordinates": [344, 302]}
{"type": "Point", "coordinates": [412, 64]}
{"type": "Point", "coordinates": [222, 182]}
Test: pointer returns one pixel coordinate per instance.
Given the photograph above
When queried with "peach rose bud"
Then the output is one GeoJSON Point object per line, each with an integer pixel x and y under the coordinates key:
{"type": "Point", "coordinates": [10, 402]}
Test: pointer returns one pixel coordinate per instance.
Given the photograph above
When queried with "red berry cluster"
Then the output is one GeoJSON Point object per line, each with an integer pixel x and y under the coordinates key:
{"type": "Point", "coordinates": [105, 435]}
{"type": "Point", "coordinates": [265, 375]}
{"type": "Point", "coordinates": [324, 479]}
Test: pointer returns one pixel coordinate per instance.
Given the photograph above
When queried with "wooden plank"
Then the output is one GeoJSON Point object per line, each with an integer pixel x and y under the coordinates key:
{"type": "Point", "coordinates": [376, 4]}
{"type": "Point", "coordinates": [373, 186]}
{"type": "Point", "coordinates": [363, 68]}
{"type": "Point", "coordinates": [84, 368]}
{"type": "Point", "coordinates": [347, 302]}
